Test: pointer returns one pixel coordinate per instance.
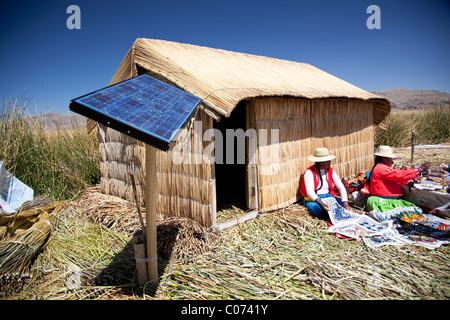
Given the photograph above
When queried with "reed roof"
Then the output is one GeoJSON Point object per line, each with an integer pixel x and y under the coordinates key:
{"type": "Point", "coordinates": [223, 78]}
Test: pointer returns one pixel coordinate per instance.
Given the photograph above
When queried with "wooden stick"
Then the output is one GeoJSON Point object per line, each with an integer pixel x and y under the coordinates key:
{"type": "Point", "coordinates": [413, 142]}
{"type": "Point", "coordinates": [270, 266]}
{"type": "Point", "coordinates": [139, 253]}
{"type": "Point", "coordinates": [234, 221]}
{"type": "Point", "coordinates": [173, 255]}
{"type": "Point", "coordinates": [138, 205]}
{"type": "Point", "coordinates": [150, 204]}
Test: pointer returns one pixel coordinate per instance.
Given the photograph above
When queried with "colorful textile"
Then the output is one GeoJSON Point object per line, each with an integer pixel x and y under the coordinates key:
{"type": "Point", "coordinates": [337, 212]}
{"type": "Point", "coordinates": [389, 215]}
{"type": "Point", "coordinates": [390, 237]}
{"type": "Point", "coordinates": [398, 226]}
{"type": "Point", "coordinates": [315, 209]}
{"type": "Point", "coordinates": [422, 225]}
{"type": "Point", "coordinates": [361, 227]}
{"type": "Point", "coordinates": [423, 241]}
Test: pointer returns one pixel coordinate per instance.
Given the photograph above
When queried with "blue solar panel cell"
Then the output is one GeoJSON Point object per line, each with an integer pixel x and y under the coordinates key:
{"type": "Point", "coordinates": [143, 107]}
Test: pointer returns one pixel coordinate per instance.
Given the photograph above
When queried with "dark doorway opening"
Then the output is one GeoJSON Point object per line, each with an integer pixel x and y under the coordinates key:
{"type": "Point", "coordinates": [231, 175]}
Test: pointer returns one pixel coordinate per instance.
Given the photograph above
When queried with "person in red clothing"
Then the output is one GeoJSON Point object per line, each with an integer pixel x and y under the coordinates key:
{"type": "Point", "coordinates": [384, 181]}
{"type": "Point", "coordinates": [318, 182]}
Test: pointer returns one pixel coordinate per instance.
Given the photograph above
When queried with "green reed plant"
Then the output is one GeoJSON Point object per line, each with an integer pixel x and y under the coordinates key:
{"type": "Point", "coordinates": [432, 126]}
{"type": "Point", "coordinates": [398, 130]}
{"type": "Point", "coordinates": [58, 163]}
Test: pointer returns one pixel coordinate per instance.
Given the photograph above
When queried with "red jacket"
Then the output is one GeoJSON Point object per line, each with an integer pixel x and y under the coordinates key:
{"type": "Point", "coordinates": [329, 176]}
{"type": "Point", "coordinates": [385, 181]}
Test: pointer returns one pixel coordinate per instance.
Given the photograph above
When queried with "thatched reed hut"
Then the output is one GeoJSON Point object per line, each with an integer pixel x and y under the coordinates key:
{"type": "Point", "coordinates": [307, 106]}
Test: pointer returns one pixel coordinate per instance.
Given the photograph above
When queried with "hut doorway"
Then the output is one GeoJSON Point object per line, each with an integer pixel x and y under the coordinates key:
{"type": "Point", "coordinates": [231, 173]}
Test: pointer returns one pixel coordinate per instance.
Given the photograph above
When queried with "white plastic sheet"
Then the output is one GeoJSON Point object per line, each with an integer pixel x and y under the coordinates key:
{"type": "Point", "coordinates": [13, 192]}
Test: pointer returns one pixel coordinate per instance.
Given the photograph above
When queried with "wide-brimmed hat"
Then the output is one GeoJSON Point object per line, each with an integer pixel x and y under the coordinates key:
{"type": "Point", "coordinates": [321, 155]}
{"type": "Point", "coordinates": [385, 151]}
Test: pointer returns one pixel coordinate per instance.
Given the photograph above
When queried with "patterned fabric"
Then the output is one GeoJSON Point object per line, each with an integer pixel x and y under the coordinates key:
{"type": "Point", "coordinates": [398, 226]}
{"type": "Point", "coordinates": [423, 226]}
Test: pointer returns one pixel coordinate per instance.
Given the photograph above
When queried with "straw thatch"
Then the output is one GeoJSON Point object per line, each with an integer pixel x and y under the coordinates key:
{"type": "Point", "coordinates": [310, 108]}
{"type": "Point", "coordinates": [223, 78]}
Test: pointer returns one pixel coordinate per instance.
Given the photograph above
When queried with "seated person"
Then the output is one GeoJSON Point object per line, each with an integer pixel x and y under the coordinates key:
{"type": "Point", "coordinates": [384, 181]}
{"type": "Point", "coordinates": [318, 182]}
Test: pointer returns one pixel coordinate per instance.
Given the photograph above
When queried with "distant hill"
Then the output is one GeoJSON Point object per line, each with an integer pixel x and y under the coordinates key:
{"type": "Point", "coordinates": [54, 121]}
{"type": "Point", "coordinates": [413, 99]}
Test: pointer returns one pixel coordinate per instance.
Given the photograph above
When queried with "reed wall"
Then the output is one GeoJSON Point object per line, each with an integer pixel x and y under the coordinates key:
{"type": "Point", "coordinates": [344, 126]}
{"type": "Point", "coordinates": [121, 156]}
{"type": "Point", "coordinates": [183, 187]}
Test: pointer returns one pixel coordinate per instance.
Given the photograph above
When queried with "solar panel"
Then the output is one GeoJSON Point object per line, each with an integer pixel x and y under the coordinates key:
{"type": "Point", "coordinates": [143, 107]}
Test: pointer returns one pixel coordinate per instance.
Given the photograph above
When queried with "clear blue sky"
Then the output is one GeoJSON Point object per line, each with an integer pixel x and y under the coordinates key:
{"type": "Point", "coordinates": [50, 64]}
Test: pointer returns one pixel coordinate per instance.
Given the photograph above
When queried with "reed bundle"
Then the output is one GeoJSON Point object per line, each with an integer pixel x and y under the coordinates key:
{"type": "Point", "coordinates": [184, 189]}
{"type": "Point", "coordinates": [17, 253]}
{"type": "Point", "coordinates": [13, 224]}
{"type": "Point", "coordinates": [18, 250]}
{"type": "Point", "coordinates": [120, 156]}
{"type": "Point", "coordinates": [185, 237]}
{"type": "Point", "coordinates": [112, 212]}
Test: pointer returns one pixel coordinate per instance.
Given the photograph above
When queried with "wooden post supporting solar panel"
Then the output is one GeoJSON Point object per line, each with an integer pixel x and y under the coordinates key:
{"type": "Point", "coordinates": [150, 111]}
{"type": "Point", "coordinates": [140, 257]}
{"type": "Point", "coordinates": [150, 216]}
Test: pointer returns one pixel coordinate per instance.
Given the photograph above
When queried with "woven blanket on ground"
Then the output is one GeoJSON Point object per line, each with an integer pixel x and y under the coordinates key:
{"type": "Point", "coordinates": [423, 225]}
{"type": "Point", "coordinates": [395, 227]}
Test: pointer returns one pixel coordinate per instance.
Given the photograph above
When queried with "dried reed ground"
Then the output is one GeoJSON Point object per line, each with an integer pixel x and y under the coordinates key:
{"type": "Point", "coordinates": [284, 255]}
{"type": "Point", "coordinates": [289, 255]}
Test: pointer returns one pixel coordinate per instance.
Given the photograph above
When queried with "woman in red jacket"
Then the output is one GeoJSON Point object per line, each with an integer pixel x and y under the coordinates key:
{"type": "Point", "coordinates": [384, 182]}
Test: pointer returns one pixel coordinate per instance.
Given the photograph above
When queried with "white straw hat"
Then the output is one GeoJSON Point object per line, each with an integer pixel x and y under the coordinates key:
{"type": "Point", "coordinates": [321, 155]}
{"type": "Point", "coordinates": [385, 151]}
